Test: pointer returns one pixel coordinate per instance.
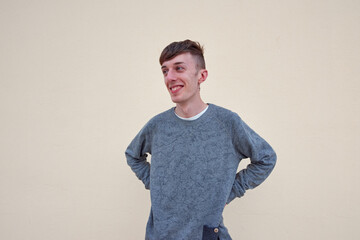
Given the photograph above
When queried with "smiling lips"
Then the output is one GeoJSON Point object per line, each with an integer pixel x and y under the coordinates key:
{"type": "Point", "coordinates": [176, 88]}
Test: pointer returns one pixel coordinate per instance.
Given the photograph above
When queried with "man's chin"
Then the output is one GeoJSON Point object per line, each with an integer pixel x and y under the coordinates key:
{"type": "Point", "coordinates": [175, 100]}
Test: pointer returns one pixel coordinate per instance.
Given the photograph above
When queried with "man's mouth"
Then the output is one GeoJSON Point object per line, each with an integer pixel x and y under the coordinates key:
{"type": "Point", "coordinates": [176, 88]}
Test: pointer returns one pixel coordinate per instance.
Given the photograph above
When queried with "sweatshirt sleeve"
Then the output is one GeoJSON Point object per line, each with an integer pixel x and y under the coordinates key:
{"type": "Point", "coordinates": [249, 144]}
{"type": "Point", "coordinates": [136, 155]}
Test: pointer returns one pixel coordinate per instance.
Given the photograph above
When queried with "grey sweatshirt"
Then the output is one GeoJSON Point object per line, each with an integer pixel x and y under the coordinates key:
{"type": "Point", "coordinates": [192, 175]}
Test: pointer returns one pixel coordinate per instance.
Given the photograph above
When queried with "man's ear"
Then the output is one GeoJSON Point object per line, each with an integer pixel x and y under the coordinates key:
{"type": "Point", "coordinates": [203, 75]}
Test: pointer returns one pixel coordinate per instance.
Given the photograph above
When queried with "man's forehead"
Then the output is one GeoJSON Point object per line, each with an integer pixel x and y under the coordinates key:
{"type": "Point", "coordinates": [183, 58]}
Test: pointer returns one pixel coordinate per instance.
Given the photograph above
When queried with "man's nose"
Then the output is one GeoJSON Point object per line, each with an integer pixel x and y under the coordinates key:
{"type": "Point", "coordinates": [171, 75]}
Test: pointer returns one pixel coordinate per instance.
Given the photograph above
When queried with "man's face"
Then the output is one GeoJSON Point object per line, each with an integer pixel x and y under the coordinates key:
{"type": "Point", "coordinates": [182, 78]}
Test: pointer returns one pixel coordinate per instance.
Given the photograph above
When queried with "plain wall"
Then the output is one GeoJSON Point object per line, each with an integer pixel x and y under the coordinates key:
{"type": "Point", "coordinates": [78, 79]}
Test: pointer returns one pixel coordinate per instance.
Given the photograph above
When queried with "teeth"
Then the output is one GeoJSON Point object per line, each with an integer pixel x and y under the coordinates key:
{"type": "Point", "coordinates": [175, 88]}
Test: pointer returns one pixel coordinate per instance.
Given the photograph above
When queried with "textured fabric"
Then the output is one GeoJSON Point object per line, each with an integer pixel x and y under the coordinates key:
{"type": "Point", "coordinates": [193, 170]}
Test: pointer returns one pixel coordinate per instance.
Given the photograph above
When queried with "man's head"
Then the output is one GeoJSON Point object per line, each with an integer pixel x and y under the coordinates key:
{"type": "Point", "coordinates": [187, 46]}
{"type": "Point", "coordinates": [183, 67]}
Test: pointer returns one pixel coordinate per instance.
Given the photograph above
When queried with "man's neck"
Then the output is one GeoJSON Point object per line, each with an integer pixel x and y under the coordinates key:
{"type": "Point", "coordinates": [190, 110]}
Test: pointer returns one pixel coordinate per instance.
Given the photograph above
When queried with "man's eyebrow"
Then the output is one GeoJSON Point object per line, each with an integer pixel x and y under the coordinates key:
{"type": "Point", "coordinates": [177, 63]}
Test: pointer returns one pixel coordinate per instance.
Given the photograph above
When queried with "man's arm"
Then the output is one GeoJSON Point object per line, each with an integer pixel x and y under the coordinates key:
{"type": "Point", "coordinates": [136, 155]}
{"type": "Point", "coordinates": [249, 144]}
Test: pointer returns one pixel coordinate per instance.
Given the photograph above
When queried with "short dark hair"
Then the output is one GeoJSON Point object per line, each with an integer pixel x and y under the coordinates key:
{"type": "Point", "coordinates": [187, 46]}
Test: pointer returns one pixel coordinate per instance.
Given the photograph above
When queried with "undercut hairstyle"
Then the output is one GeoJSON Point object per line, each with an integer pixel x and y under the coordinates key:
{"type": "Point", "coordinates": [187, 46]}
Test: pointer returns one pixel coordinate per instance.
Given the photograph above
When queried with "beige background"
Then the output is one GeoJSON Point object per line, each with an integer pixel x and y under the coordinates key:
{"type": "Point", "coordinates": [79, 78]}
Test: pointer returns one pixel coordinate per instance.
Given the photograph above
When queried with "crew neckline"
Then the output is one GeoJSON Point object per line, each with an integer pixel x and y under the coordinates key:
{"type": "Point", "coordinates": [193, 117]}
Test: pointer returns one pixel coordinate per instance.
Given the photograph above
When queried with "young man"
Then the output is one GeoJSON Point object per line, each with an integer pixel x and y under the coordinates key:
{"type": "Point", "coordinates": [195, 151]}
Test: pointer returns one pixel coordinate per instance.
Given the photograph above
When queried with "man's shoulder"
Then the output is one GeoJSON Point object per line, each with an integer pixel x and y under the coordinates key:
{"type": "Point", "coordinates": [224, 113]}
{"type": "Point", "coordinates": [160, 117]}
{"type": "Point", "coordinates": [152, 124]}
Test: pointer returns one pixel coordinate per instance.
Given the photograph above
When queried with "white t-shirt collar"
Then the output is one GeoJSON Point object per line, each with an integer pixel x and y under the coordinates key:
{"type": "Point", "coordinates": [194, 117]}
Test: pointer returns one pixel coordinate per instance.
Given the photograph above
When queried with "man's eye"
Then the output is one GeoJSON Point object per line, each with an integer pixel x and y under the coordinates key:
{"type": "Point", "coordinates": [164, 72]}
{"type": "Point", "coordinates": [179, 68]}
